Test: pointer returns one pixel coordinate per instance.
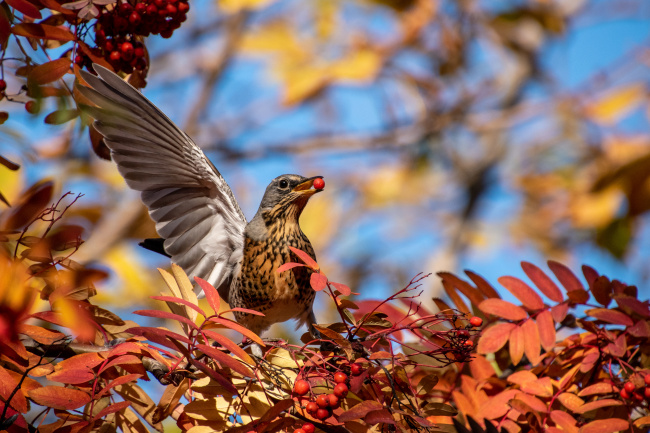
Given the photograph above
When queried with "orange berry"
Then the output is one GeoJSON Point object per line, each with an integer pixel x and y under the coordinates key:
{"type": "Point", "coordinates": [475, 321]}
{"type": "Point", "coordinates": [322, 401]}
{"type": "Point", "coordinates": [309, 427]}
{"type": "Point", "coordinates": [301, 387]}
{"type": "Point", "coordinates": [629, 387]}
{"type": "Point", "coordinates": [341, 390]}
{"type": "Point", "coordinates": [340, 377]}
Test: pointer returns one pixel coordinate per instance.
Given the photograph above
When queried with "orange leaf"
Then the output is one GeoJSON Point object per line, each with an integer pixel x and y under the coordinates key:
{"type": "Point", "coordinates": [542, 281]}
{"type": "Point", "coordinates": [342, 288]}
{"type": "Point", "coordinates": [578, 296]}
{"type": "Point", "coordinates": [516, 345]}
{"type": "Point", "coordinates": [43, 31]}
{"type": "Point", "coordinates": [83, 360]}
{"type": "Point", "coordinates": [597, 388]}
{"type": "Point", "coordinates": [571, 401]}
{"type": "Point", "coordinates": [559, 312]}
{"type": "Point", "coordinates": [71, 375]}
{"type": "Point", "coordinates": [493, 338]}
{"type": "Point", "coordinates": [610, 425]}
{"type": "Point", "coordinates": [565, 276]}
{"type": "Point", "coordinates": [593, 405]}
{"type": "Point", "coordinates": [541, 387]}
{"type": "Point", "coordinates": [360, 410]}
{"type": "Point", "coordinates": [564, 420]}
{"type": "Point", "coordinates": [481, 368]}
{"type": "Point", "coordinates": [225, 360]}
{"type": "Point", "coordinates": [288, 266]}
{"type": "Point", "coordinates": [305, 258]}
{"type": "Point", "coordinates": [318, 281]}
{"type": "Point", "coordinates": [474, 296]}
{"type": "Point", "coordinates": [40, 334]}
{"type": "Point", "coordinates": [533, 402]}
{"type": "Point", "coordinates": [239, 328]}
{"type": "Point", "coordinates": [522, 291]}
{"type": "Point", "coordinates": [610, 316]}
{"type": "Point", "coordinates": [504, 309]}
{"type": "Point", "coordinates": [58, 397]}
{"type": "Point", "coordinates": [482, 285]}
{"type": "Point", "coordinates": [546, 328]}
{"type": "Point", "coordinates": [450, 290]}
{"type": "Point", "coordinates": [33, 202]}
{"type": "Point", "coordinates": [230, 345]}
{"type": "Point", "coordinates": [25, 8]}
{"type": "Point", "coordinates": [521, 377]}
{"type": "Point", "coordinates": [497, 406]}
{"type": "Point", "coordinates": [531, 341]}
{"type": "Point", "coordinates": [7, 386]}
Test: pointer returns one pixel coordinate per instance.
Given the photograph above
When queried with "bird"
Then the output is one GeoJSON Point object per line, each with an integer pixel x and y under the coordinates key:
{"type": "Point", "coordinates": [201, 225]}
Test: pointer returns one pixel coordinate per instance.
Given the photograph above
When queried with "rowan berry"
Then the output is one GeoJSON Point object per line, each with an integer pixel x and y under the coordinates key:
{"type": "Point", "coordinates": [333, 400]}
{"type": "Point", "coordinates": [309, 427]}
{"type": "Point", "coordinates": [301, 387]}
{"type": "Point", "coordinates": [135, 18]}
{"type": "Point", "coordinates": [319, 183]}
{"type": "Point", "coordinates": [646, 392]}
{"type": "Point", "coordinates": [115, 56]}
{"type": "Point", "coordinates": [183, 7]}
{"type": "Point", "coordinates": [32, 107]}
{"type": "Point", "coordinates": [171, 9]}
{"type": "Point", "coordinates": [356, 369]}
{"type": "Point", "coordinates": [468, 343]}
{"type": "Point", "coordinates": [312, 407]}
{"type": "Point", "coordinates": [629, 387]}
{"type": "Point", "coordinates": [475, 321]}
{"type": "Point", "coordinates": [624, 393]}
{"type": "Point", "coordinates": [340, 377]}
{"type": "Point", "coordinates": [140, 8]}
{"type": "Point", "coordinates": [299, 430]}
{"type": "Point", "coordinates": [322, 401]}
{"type": "Point", "coordinates": [341, 390]}
{"type": "Point", "coordinates": [646, 379]}
{"type": "Point", "coordinates": [322, 413]}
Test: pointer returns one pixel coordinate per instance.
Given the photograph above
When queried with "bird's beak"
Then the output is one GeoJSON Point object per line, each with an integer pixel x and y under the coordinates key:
{"type": "Point", "coordinates": [305, 188]}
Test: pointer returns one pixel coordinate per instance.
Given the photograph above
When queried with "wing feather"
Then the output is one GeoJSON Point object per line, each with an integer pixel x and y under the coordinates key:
{"type": "Point", "coordinates": [192, 205]}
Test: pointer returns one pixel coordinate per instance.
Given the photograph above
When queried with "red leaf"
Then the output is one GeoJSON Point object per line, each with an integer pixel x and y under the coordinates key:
{"type": "Point", "coordinates": [305, 258]}
{"type": "Point", "coordinates": [49, 72]}
{"type": "Point", "coordinates": [342, 288]}
{"type": "Point", "coordinates": [593, 405]}
{"type": "Point", "coordinates": [590, 274]}
{"type": "Point", "coordinates": [83, 360]}
{"type": "Point", "coordinates": [633, 304]}
{"type": "Point", "coordinates": [482, 284]}
{"type": "Point", "coordinates": [610, 425]}
{"type": "Point", "coordinates": [180, 301]}
{"type": "Point", "coordinates": [450, 290]}
{"type": "Point", "coordinates": [210, 294]}
{"type": "Point", "coordinates": [118, 381]}
{"type": "Point", "coordinates": [564, 420]}
{"type": "Point", "coordinates": [230, 345]}
{"type": "Point", "coordinates": [474, 296]}
{"type": "Point", "coordinates": [318, 281]}
{"type": "Point", "coordinates": [565, 276]}
{"type": "Point", "coordinates": [288, 266]}
{"type": "Point", "coordinates": [493, 338]}
{"type": "Point", "coordinates": [504, 309]}
{"type": "Point", "coordinates": [25, 8]}
{"type": "Point", "coordinates": [360, 410]}
{"type": "Point", "coordinates": [166, 315]}
{"type": "Point", "coordinates": [71, 375]}
{"type": "Point", "coordinates": [122, 361]}
{"type": "Point", "coordinates": [43, 31]}
{"type": "Point", "coordinates": [543, 282]}
{"type": "Point", "coordinates": [546, 330]}
{"type": "Point", "coordinates": [34, 200]}
{"type": "Point", "coordinates": [226, 360]}
{"type": "Point", "coordinates": [112, 409]}
{"type": "Point", "coordinates": [559, 312]}
{"type": "Point", "coordinates": [40, 334]}
{"type": "Point", "coordinates": [528, 297]}
{"type": "Point", "coordinates": [5, 28]}
{"type": "Point", "coordinates": [244, 310]}
{"type": "Point", "coordinates": [239, 328]}
{"type": "Point", "coordinates": [602, 290]}
{"type": "Point", "coordinates": [578, 296]}
{"type": "Point", "coordinates": [610, 316]}
{"type": "Point", "coordinates": [58, 397]}
{"type": "Point", "coordinates": [7, 386]}
{"type": "Point", "coordinates": [531, 340]}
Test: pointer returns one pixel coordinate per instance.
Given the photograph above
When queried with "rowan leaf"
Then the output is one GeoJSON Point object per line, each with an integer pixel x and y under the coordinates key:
{"type": "Point", "coordinates": [610, 316]}
{"type": "Point", "coordinates": [58, 397]}
{"type": "Point", "coordinates": [602, 290]}
{"type": "Point", "coordinates": [166, 315]}
{"type": "Point", "coordinates": [26, 8]}
{"type": "Point", "coordinates": [546, 328]}
{"type": "Point", "coordinates": [318, 281]}
{"type": "Point", "coordinates": [543, 282]}
{"type": "Point", "coordinates": [116, 382]}
{"type": "Point", "coordinates": [116, 407]}
{"type": "Point", "coordinates": [210, 294]}
{"type": "Point", "coordinates": [516, 345]}
{"type": "Point", "coordinates": [571, 401]}
{"type": "Point", "coordinates": [596, 388]}
{"type": "Point", "coordinates": [610, 425]}
{"type": "Point", "coordinates": [474, 296]}
{"type": "Point", "coordinates": [531, 341]}
{"type": "Point", "coordinates": [450, 290]}
{"type": "Point", "coordinates": [482, 284]}
{"type": "Point", "coordinates": [288, 266]}
{"type": "Point", "coordinates": [237, 327]}
{"type": "Point", "coordinates": [43, 31]}
{"type": "Point", "coordinates": [528, 297]}
{"type": "Point", "coordinates": [305, 258]}
{"type": "Point", "coordinates": [593, 405]}
{"type": "Point", "coordinates": [565, 276]}
{"type": "Point", "coordinates": [494, 338]}
{"type": "Point", "coordinates": [225, 360]}
{"type": "Point", "coordinates": [176, 300]}
{"type": "Point", "coordinates": [504, 309]}
{"type": "Point", "coordinates": [564, 420]}
{"type": "Point", "coordinates": [342, 288]}
{"type": "Point", "coordinates": [360, 410]}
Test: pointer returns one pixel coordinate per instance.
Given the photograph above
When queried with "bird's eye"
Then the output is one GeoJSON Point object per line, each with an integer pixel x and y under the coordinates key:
{"type": "Point", "coordinates": [283, 184]}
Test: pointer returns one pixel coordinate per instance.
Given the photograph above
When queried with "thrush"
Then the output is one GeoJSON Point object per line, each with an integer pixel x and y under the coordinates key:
{"type": "Point", "coordinates": [201, 225]}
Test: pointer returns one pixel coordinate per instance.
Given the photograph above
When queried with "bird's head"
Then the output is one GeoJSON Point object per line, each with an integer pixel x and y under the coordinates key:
{"type": "Point", "coordinates": [287, 195]}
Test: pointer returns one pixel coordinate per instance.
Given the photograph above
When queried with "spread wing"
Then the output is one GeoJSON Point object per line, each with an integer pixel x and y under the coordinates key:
{"type": "Point", "coordinates": [192, 205]}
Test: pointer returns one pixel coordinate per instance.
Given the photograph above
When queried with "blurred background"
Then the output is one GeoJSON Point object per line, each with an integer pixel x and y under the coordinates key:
{"type": "Point", "coordinates": [451, 135]}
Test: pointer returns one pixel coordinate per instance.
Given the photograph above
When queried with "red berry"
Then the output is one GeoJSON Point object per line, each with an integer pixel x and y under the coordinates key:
{"type": "Point", "coordinates": [116, 56]}
{"type": "Point", "coordinates": [462, 333]}
{"type": "Point", "coordinates": [138, 52]}
{"type": "Point", "coordinates": [125, 8]}
{"type": "Point", "coordinates": [160, 4]}
{"type": "Point", "coordinates": [340, 377]}
{"type": "Point", "coordinates": [79, 60]}
{"type": "Point", "coordinates": [356, 369]}
{"type": "Point", "coordinates": [646, 391]}
{"type": "Point", "coordinates": [152, 10]}
{"type": "Point", "coordinates": [468, 343]}
{"type": "Point", "coordinates": [322, 401]}
{"type": "Point", "coordinates": [308, 427]}
{"type": "Point", "coordinates": [135, 18]}
{"type": "Point", "coordinates": [312, 407]}
{"type": "Point", "coordinates": [319, 183]}
{"type": "Point", "coordinates": [341, 390]}
{"type": "Point", "coordinates": [646, 379]}
{"type": "Point", "coordinates": [183, 7]}
{"type": "Point", "coordinates": [32, 107]}
{"type": "Point", "coordinates": [333, 400]}
{"type": "Point", "coordinates": [322, 413]}
{"type": "Point", "coordinates": [171, 9]}
{"type": "Point", "coordinates": [624, 393]}
{"type": "Point", "coordinates": [637, 396]}
{"type": "Point", "coordinates": [301, 387]}
{"type": "Point", "coordinates": [140, 8]}
{"type": "Point", "coordinates": [629, 387]}
{"type": "Point", "coordinates": [167, 34]}
{"type": "Point", "coordinates": [476, 321]}
{"type": "Point", "coordinates": [299, 430]}
{"type": "Point", "coordinates": [109, 46]}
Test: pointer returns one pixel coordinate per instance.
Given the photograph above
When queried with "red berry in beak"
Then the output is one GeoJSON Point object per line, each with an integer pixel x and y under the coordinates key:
{"type": "Point", "coordinates": [319, 183]}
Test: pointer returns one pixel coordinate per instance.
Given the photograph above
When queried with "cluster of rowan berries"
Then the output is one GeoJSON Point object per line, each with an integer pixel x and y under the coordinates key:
{"type": "Point", "coordinates": [116, 30]}
{"type": "Point", "coordinates": [321, 407]}
{"type": "Point", "coordinates": [629, 391]}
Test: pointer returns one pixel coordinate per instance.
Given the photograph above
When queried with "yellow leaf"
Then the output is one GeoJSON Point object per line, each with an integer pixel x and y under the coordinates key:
{"type": "Point", "coordinates": [135, 284]}
{"type": "Point", "coordinates": [613, 106]}
{"type": "Point", "coordinates": [361, 65]}
{"type": "Point", "coordinates": [273, 38]}
{"type": "Point", "coordinates": [303, 83]}
{"type": "Point", "coordinates": [11, 184]}
{"type": "Point", "coordinates": [596, 210]}
{"type": "Point", "coordinates": [233, 6]}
